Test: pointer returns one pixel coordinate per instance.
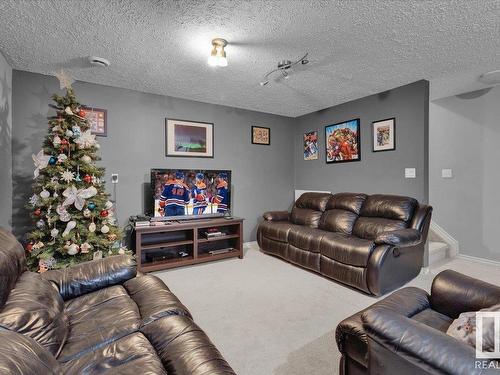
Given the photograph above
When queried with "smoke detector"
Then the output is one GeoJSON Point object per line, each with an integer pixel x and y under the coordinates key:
{"type": "Point", "coordinates": [99, 61]}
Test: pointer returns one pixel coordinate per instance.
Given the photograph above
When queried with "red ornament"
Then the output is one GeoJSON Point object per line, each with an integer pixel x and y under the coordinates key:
{"type": "Point", "coordinates": [64, 142]}
{"type": "Point", "coordinates": [82, 113]}
{"type": "Point", "coordinates": [87, 178]}
{"type": "Point", "coordinates": [104, 213]}
{"type": "Point", "coordinates": [37, 212]}
{"type": "Point", "coordinates": [29, 247]}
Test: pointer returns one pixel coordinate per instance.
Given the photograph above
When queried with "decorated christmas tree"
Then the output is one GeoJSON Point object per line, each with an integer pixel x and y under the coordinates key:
{"type": "Point", "coordinates": [73, 216]}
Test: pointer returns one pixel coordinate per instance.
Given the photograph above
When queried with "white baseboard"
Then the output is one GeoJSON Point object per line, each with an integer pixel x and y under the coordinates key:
{"type": "Point", "coordinates": [479, 260]}
{"type": "Point", "coordinates": [249, 243]}
{"type": "Point", "coordinates": [447, 238]}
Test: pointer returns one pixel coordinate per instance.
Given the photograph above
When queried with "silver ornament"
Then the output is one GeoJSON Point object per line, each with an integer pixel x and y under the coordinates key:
{"type": "Point", "coordinates": [40, 224]}
{"type": "Point", "coordinates": [87, 213]}
{"type": "Point", "coordinates": [104, 229]}
{"type": "Point", "coordinates": [44, 194]}
{"type": "Point", "coordinates": [92, 227]}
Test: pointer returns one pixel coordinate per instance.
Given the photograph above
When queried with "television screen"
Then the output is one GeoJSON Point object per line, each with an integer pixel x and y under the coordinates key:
{"type": "Point", "coordinates": [190, 192]}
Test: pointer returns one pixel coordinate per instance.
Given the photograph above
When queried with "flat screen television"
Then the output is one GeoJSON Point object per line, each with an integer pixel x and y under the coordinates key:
{"type": "Point", "coordinates": [190, 193]}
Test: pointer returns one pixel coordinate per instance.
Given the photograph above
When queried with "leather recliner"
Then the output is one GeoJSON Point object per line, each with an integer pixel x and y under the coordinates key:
{"type": "Point", "coordinates": [405, 333]}
{"type": "Point", "coordinates": [96, 317]}
{"type": "Point", "coordinates": [374, 243]}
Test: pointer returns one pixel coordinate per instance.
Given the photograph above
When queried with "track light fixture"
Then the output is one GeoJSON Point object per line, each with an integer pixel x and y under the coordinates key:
{"type": "Point", "coordinates": [283, 67]}
{"type": "Point", "coordinates": [218, 55]}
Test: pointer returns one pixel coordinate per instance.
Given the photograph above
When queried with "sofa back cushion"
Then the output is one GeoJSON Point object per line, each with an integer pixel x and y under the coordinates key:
{"type": "Point", "coordinates": [34, 308]}
{"type": "Point", "coordinates": [309, 208]}
{"type": "Point", "coordinates": [382, 213]}
{"type": "Point", "coordinates": [12, 263]}
{"type": "Point", "coordinates": [341, 213]}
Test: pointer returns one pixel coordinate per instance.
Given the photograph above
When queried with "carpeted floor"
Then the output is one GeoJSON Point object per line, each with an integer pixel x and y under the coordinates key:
{"type": "Point", "coordinates": [269, 317]}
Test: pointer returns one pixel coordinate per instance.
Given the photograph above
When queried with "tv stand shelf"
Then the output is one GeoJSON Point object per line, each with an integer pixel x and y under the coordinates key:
{"type": "Point", "coordinates": [160, 247]}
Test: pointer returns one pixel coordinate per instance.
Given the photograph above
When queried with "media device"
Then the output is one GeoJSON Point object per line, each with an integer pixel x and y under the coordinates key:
{"type": "Point", "coordinates": [180, 194]}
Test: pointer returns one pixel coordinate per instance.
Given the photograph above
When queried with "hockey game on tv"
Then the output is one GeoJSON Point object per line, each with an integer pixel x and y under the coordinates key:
{"type": "Point", "coordinates": [190, 193]}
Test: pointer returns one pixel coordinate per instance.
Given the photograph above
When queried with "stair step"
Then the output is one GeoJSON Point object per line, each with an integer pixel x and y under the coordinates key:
{"type": "Point", "coordinates": [437, 251]}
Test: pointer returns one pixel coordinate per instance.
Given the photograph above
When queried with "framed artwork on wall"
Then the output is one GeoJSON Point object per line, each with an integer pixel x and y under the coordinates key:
{"type": "Point", "coordinates": [189, 138]}
{"type": "Point", "coordinates": [384, 135]}
{"type": "Point", "coordinates": [98, 120]}
{"type": "Point", "coordinates": [311, 145]}
{"type": "Point", "coordinates": [342, 142]}
{"type": "Point", "coordinates": [261, 135]}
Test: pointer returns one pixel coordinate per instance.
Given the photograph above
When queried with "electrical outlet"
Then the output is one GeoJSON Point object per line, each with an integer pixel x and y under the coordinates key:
{"type": "Point", "coordinates": [114, 178]}
{"type": "Point", "coordinates": [447, 173]}
{"type": "Point", "coordinates": [410, 173]}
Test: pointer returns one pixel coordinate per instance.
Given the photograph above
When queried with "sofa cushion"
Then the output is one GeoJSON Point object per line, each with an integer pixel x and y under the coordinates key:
{"type": "Point", "coordinates": [313, 201]}
{"type": "Point", "coordinates": [347, 201]}
{"type": "Point", "coordinates": [370, 227]}
{"type": "Point", "coordinates": [433, 319]}
{"type": "Point", "coordinates": [306, 238]}
{"type": "Point", "coordinates": [153, 298]}
{"type": "Point", "coordinates": [336, 220]}
{"type": "Point", "coordinates": [98, 318]}
{"type": "Point", "coordinates": [277, 231]}
{"type": "Point", "coordinates": [346, 249]}
{"type": "Point", "coordinates": [132, 354]}
{"type": "Point", "coordinates": [35, 309]}
{"type": "Point", "coordinates": [305, 216]}
{"type": "Point", "coordinates": [12, 263]}
{"type": "Point", "coordinates": [389, 206]}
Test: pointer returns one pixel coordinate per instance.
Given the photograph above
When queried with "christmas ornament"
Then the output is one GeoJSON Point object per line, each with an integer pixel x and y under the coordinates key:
{"type": "Point", "coordinates": [85, 248]}
{"type": "Point", "coordinates": [104, 213]}
{"type": "Point", "coordinates": [52, 160]}
{"type": "Point", "coordinates": [56, 141]}
{"type": "Point", "coordinates": [91, 206]}
{"type": "Point", "coordinates": [104, 229]}
{"type": "Point", "coordinates": [77, 131]}
{"type": "Point", "coordinates": [40, 224]}
{"type": "Point", "coordinates": [82, 113]}
{"type": "Point", "coordinates": [37, 212]}
{"type": "Point", "coordinates": [63, 213]}
{"type": "Point", "coordinates": [44, 194]}
{"type": "Point", "coordinates": [86, 140]}
{"type": "Point", "coordinates": [54, 232]}
{"type": "Point", "coordinates": [86, 159]}
{"type": "Point", "coordinates": [29, 247]}
{"type": "Point", "coordinates": [41, 161]}
{"type": "Point", "coordinates": [96, 180]}
{"type": "Point", "coordinates": [67, 176]}
{"type": "Point", "coordinates": [68, 111]}
{"type": "Point", "coordinates": [64, 142]}
{"type": "Point", "coordinates": [34, 200]}
{"type": "Point", "coordinates": [87, 178]}
{"type": "Point", "coordinates": [55, 195]}
{"type": "Point", "coordinates": [77, 177]}
{"type": "Point", "coordinates": [61, 158]}
{"type": "Point", "coordinates": [92, 227]}
{"type": "Point", "coordinates": [65, 79]}
{"type": "Point", "coordinates": [71, 225]}
{"type": "Point", "coordinates": [42, 268]}
{"type": "Point", "coordinates": [47, 264]}
{"type": "Point", "coordinates": [97, 255]}
{"type": "Point", "coordinates": [86, 213]}
{"type": "Point", "coordinates": [77, 196]}
{"type": "Point", "coordinates": [69, 133]}
{"type": "Point", "coordinates": [73, 249]}
{"type": "Point", "coordinates": [38, 245]}
{"type": "Point", "coordinates": [108, 205]}
{"type": "Point", "coordinates": [57, 128]}
{"type": "Point", "coordinates": [112, 237]}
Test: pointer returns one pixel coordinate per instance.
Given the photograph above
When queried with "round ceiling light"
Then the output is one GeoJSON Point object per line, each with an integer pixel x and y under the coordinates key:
{"type": "Point", "coordinates": [490, 78]}
{"type": "Point", "coordinates": [218, 55]}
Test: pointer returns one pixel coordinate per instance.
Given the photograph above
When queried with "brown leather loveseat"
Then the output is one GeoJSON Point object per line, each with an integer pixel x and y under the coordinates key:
{"type": "Point", "coordinates": [94, 318]}
{"type": "Point", "coordinates": [374, 243]}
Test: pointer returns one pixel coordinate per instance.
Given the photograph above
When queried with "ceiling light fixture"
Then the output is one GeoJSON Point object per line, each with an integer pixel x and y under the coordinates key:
{"type": "Point", "coordinates": [490, 78]}
{"type": "Point", "coordinates": [218, 55]}
{"type": "Point", "coordinates": [283, 67]}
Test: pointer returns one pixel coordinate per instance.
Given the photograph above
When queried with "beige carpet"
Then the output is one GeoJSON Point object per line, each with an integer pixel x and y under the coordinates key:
{"type": "Point", "coordinates": [269, 317]}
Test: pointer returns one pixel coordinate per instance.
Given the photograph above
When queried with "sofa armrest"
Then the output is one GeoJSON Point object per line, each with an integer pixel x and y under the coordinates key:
{"type": "Point", "coordinates": [276, 216]}
{"type": "Point", "coordinates": [93, 275]}
{"type": "Point", "coordinates": [419, 345]}
{"type": "Point", "coordinates": [453, 293]}
{"type": "Point", "coordinates": [399, 238]}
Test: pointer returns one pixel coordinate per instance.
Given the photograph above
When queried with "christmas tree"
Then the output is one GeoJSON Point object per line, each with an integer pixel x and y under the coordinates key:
{"type": "Point", "coordinates": [73, 215]}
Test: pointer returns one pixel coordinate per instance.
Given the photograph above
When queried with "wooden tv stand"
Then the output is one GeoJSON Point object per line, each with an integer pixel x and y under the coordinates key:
{"type": "Point", "coordinates": [160, 247]}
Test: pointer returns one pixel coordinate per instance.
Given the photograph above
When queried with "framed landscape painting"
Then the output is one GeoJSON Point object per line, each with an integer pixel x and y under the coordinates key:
{"type": "Point", "coordinates": [384, 135]}
{"type": "Point", "coordinates": [189, 138]}
{"type": "Point", "coordinates": [311, 145]}
{"type": "Point", "coordinates": [261, 135]}
{"type": "Point", "coordinates": [342, 142]}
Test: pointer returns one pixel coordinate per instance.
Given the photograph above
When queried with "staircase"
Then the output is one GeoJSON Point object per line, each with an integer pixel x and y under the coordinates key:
{"type": "Point", "coordinates": [439, 245]}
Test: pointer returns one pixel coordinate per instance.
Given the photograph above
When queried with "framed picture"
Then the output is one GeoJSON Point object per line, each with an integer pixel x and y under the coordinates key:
{"type": "Point", "coordinates": [384, 135]}
{"type": "Point", "coordinates": [342, 142]}
{"type": "Point", "coordinates": [97, 118]}
{"type": "Point", "coordinates": [261, 136]}
{"type": "Point", "coordinates": [189, 138]}
{"type": "Point", "coordinates": [311, 145]}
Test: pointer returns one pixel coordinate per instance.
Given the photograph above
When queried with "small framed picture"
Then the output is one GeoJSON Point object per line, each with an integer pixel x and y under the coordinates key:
{"type": "Point", "coordinates": [97, 118]}
{"type": "Point", "coordinates": [342, 142]}
{"type": "Point", "coordinates": [189, 138]}
{"type": "Point", "coordinates": [384, 135]}
{"type": "Point", "coordinates": [261, 136]}
{"type": "Point", "coordinates": [311, 145]}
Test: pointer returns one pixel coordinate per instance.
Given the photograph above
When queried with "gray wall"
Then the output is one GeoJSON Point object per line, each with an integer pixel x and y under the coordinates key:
{"type": "Point", "coordinates": [262, 175]}
{"type": "Point", "coordinates": [465, 136]}
{"type": "Point", "coordinates": [380, 172]}
{"type": "Point", "coordinates": [5, 143]}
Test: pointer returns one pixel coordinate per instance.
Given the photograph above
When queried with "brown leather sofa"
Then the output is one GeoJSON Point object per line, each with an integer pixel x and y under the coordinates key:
{"type": "Point", "coordinates": [94, 318]}
{"type": "Point", "coordinates": [405, 333]}
{"type": "Point", "coordinates": [374, 243]}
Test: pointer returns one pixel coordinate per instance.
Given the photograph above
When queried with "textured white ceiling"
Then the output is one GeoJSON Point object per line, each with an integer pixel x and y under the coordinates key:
{"type": "Point", "coordinates": [356, 48]}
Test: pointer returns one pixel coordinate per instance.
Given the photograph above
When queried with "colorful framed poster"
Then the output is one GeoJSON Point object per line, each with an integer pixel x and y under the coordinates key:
{"type": "Point", "coordinates": [311, 145]}
{"type": "Point", "coordinates": [342, 142]}
{"type": "Point", "coordinates": [189, 138]}
{"type": "Point", "coordinates": [261, 135]}
{"type": "Point", "coordinates": [384, 135]}
{"type": "Point", "coordinates": [97, 118]}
